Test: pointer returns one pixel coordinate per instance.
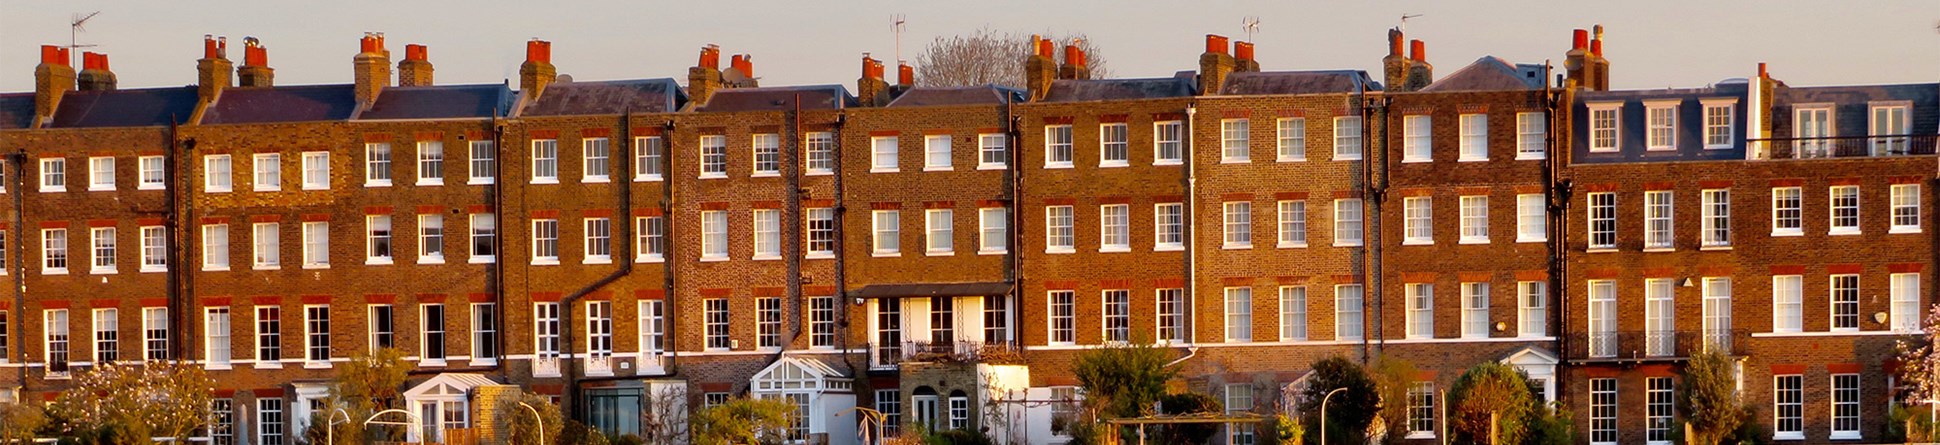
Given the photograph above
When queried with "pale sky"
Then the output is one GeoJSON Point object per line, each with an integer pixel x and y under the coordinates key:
{"type": "Point", "coordinates": [1651, 43]}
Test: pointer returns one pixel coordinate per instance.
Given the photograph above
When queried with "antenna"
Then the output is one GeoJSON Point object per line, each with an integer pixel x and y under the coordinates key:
{"type": "Point", "coordinates": [1404, 20]}
{"type": "Point", "coordinates": [896, 22]}
{"type": "Point", "coordinates": [1252, 25]}
{"type": "Point", "coordinates": [76, 24]}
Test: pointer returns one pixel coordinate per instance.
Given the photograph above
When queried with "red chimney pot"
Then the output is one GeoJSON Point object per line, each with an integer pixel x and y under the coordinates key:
{"type": "Point", "coordinates": [1044, 47]}
{"type": "Point", "coordinates": [255, 55]}
{"type": "Point", "coordinates": [368, 44]}
{"type": "Point", "coordinates": [905, 75]}
{"type": "Point", "coordinates": [536, 51]}
{"type": "Point", "coordinates": [1243, 50]}
{"type": "Point", "coordinates": [1418, 51]}
{"type": "Point", "coordinates": [51, 55]}
{"type": "Point", "coordinates": [209, 47]}
{"type": "Point", "coordinates": [1596, 47]}
{"type": "Point", "coordinates": [710, 57]}
{"type": "Point", "coordinates": [1074, 56]}
{"type": "Point", "coordinates": [871, 68]}
{"type": "Point", "coordinates": [1580, 40]}
{"type": "Point", "coordinates": [1216, 43]}
{"type": "Point", "coordinates": [1761, 71]}
{"type": "Point", "coordinates": [414, 52]}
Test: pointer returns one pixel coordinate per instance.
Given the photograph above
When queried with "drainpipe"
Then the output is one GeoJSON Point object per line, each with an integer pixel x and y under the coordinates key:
{"type": "Point", "coordinates": [791, 232]}
{"type": "Point", "coordinates": [841, 251]}
{"type": "Point", "coordinates": [1557, 194]}
{"type": "Point", "coordinates": [1013, 247]}
{"type": "Point", "coordinates": [173, 260]}
{"type": "Point", "coordinates": [498, 238]}
{"type": "Point", "coordinates": [1375, 183]}
{"type": "Point", "coordinates": [1191, 217]}
{"type": "Point", "coordinates": [568, 394]}
{"type": "Point", "coordinates": [19, 159]}
{"type": "Point", "coordinates": [667, 258]}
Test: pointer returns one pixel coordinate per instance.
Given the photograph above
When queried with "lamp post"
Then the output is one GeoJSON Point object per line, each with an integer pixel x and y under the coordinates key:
{"type": "Point", "coordinates": [1323, 414]}
{"type": "Point", "coordinates": [330, 425]}
{"type": "Point", "coordinates": [536, 420]}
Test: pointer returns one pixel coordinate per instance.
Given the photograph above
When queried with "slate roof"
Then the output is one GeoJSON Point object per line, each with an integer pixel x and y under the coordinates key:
{"type": "Point", "coordinates": [145, 107]}
{"type": "Point", "coordinates": [816, 97]}
{"type": "Point", "coordinates": [977, 95]}
{"type": "Point", "coordinates": [16, 110]}
{"type": "Point", "coordinates": [440, 102]}
{"type": "Point", "coordinates": [306, 103]}
{"type": "Point", "coordinates": [607, 97]}
{"type": "Point", "coordinates": [1296, 82]}
{"type": "Point", "coordinates": [1491, 73]}
{"type": "Point", "coordinates": [1072, 90]}
{"type": "Point", "coordinates": [1851, 106]}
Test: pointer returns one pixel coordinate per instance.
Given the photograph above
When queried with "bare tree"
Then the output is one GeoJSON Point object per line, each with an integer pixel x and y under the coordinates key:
{"type": "Point", "coordinates": [664, 422]}
{"type": "Point", "coordinates": [988, 56]}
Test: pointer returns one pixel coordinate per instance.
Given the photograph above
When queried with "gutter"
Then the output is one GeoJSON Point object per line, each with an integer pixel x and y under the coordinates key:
{"type": "Point", "coordinates": [625, 261]}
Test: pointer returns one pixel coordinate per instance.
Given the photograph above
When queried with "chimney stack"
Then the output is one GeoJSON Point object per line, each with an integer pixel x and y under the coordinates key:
{"type": "Point", "coordinates": [373, 68]}
{"type": "Point", "coordinates": [1601, 77]}
{"type": "Point", "coordinates": [1074, 63]}
{"type": "Point", "coordinates": [1394, 67]}
{"type": "Point", "coordinates": [52, 79]}
{"type": "Point", "coordinates": [742, 68]}
{"type": "Point", "coordinates": [415, 69]}
{"type": "Point", "coordinates": [1214, 65]}
{"type": "Point", "coordinates": [213, 71]}
{"type": "Point", "coordinates": [1039, 69]}
{"type": "Point", "coordinates": [535, 74]}
{"type": "Point", "coordinates": [1420, 72]}
{"type": "Point", "coordinates": [705, 77]}
{"type": "Point", "coordinates": [255, 71]}
{"type": "Point", "coordinates": [870, 88]}
{"type": "Point", "coordinates": [95, 75]}
{"type": "Point", "coordinates": [1577, 62]}
{"type": "Point", "coordinates": [1244, 52]}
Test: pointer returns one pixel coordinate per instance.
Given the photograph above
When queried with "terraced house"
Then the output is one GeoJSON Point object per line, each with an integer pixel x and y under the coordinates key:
{"type": "Point", "coordinates": [638, 248]}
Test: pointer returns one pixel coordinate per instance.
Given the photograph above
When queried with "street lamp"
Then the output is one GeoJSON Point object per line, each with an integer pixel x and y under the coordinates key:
{"type": "Point", "coordinates": [330, 425]}
{"type": "Point", "coordinates": [1323, 414]}
{"type": "Point", "coordinates": [536, 420]}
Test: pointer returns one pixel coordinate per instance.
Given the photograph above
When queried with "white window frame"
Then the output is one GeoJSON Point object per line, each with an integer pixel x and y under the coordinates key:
{"type": "Point", "coordinates": [819, 158]}
{"type": "Point", "coordinates": [1833, 196]}
{"type": "Point", "coordinates": [596, 160]}
{"type": "Point", "coordinates": [884, 154]}
{"type": "Point", "coordinates": [767, 234]}
{"type": "Point", "coordinates": [1474, 219]}
{"type": "Point", "coordinates": [649, 155]}
{"type": "Point", "coordinates": [484, 232]}
{"type": "Point", "coordinates": [1292, 139]}
{"type": "Point", "coordinates": [1350, 322]}
{"type": "Point", "coordinates": [1475, 310]}
{"type": "Point", "coordinates": [1061, 319]}
{"type": "Point", "coordinates": [650, 239]}
{"type": "Point", "coordinates": [885, 233]}
{"type": "Point", "coordinates": [1238, 314]}
{"type": "Point", "coordinates": [936, 153]}
{"type": "Point", "coordinates": [1788, 206]}
{"type": "Point", "coordinates": [1168, 227]}
{"type": "Point", "coordinates": [103, 250]}
{"type": "Point", "coordinates": [760, 146]}
{"type": "Point", "coordinates": [821, 232]}
{"type": "Point", "coordinates": [53, 174]}
{"type": "Point", "coordinates": [1606, 132]}
{"type": "Point", "coordinates": [431, 238]}
{"type": "Point", "coordinates": [372, 223]}
{"type": "Point", "coordinates": [939, 232]}
{"type": "Point", "coordinates": [1114, 145]}
{"type": "Point", "coordinates": [1417, 138]}
{"type": "Point", "coordinates": [1348, 141]}
{"type": "Point", "coordinates": [1714, 218]}
{"type": "Point", "coordinates": [1532, 130]}
{"type": "Point", "coordinates": [1602, 211]}
{"type": "Point", "coordinates": [993, 151]}
{"type": "Point", "coordinates": [483, 169]}
{"type": "Point", "coordinates": [1603, 416]}
{"type": "Point", "coordinates": [1888, 132]}
{"type": "Point", "coordinates": [1115, 228]}
{"type": "Point", "coordinates": [1237, 227]}
{"type": "Point", "coordinates": [1532, 218]}
{"type": "Point", "coordinates": [1788, 391]}
{"type": "Point", "coordinates": [1474, 138]}
{"type": "Point", "coordinates": [1292, 224]}
{"type": "Point", "coordinates": [1235, 141]}
{"type": "Point", "coordinates": [218, 174]}
{"type": "Point", "coordinates": [1421, 410]}
{"type": "Point", "coordinates": [993, 231]}
{"type": "Point", "coordinates": [1834, 301]}
{"type": "Point", "coordinates": [1420, 315]}
{"type": "Point", "coordinates": [1904, 208]}
{"type": "Point", "coordinates": [1348, 215]}
{"type": "Point", "coordinates": [1714, 132]}
{"type": "Point", "coordinates": [1844, 396]}
{"type": "Point", "coordinates": [1168, 142]}
{"type": "Point", "coordinates": [1293, 313]}
{"type": "Point", "coordinates": [714, 235]}
{"type": "Point", "coordinates": [1057, 146]}
{"type": "Point", "coordinates": [1788, 303]}
{"type": "Point", "coordinates": [266, 246]}
{"type": "Point", "coordinates": [1116, 316]}
{"type": "Point", "coordinates": [1060, 234]}
{"type": "Point", "coordinates": [215, 247]}
{"type": "Point", "coordinates": [377, 164]}
{"type": "Point", "coordinates": [101, 174]}
{"type": "Point", "coordinates": [154, 248]}
{"type": "Point", "coordinates": [316, 170]}
{"type": "Point", "coordinates": [1660, 125]}
{"type": "Point", "coordinates": [1904, 312]}
{"type": "Point", "coordinates": [1417, 221]}
{"type": "Point", "coordinates": [545, 241]}
{"type": "Point", "coordinates": [1532, 309]}
{"type": "Point", "coordinates": [430, 167]}
{"type": "Point", "coordinates": [597, 234]}
{"type": "Point", "coordinates": [1660, 223]}
{"type": "Point", "coordinates": [713, 156]}
{"type": "Point", "coordinates": [151, 173]}
{"type": "Point", "coordinates": [316, 244]}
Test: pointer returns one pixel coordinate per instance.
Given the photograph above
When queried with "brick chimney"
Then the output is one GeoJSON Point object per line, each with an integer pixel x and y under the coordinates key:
{"type": "Point", "coordinates": [1039, 69]}
{"type": "Point", "coordinates": [1244, 52]}
{"type": "Point", "coordinates": [1601, 76]}
{"type": "Point", "coordinates": [1576, 62]}
{"type": "Point", "coordinates": [1420, 72]}
{"type": "Point", "coordinates": [1074, 63]}
{"type": "Point", "coordinates": [415, 69]}
{"type": "Point", "coordinates": [742, 74]}
{"type": "Point", "coordinates": [1394, 67]}
{"type": "Point", "coordinates": [52, 79]}
{"type": "Point", "coordinates": [213, 71]}
{"type": "Point", "coordinates": [95, 75]}
{"type": "Point", "coordinates": [1214, 65]}
{"type": "Point", "coordinates": [870, 88]}
{"type": "Point", "coordinates": [705, 77]}
{"type": "Point", "coordinates": [255, 71]}
{"type": "Point", "coordinates": [373, 68]}
{"type": "Point", "coordinates": [536, 73]}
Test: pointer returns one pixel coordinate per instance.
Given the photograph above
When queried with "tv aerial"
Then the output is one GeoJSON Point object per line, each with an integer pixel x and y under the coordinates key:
{"type": "Point", "coordinates": [76, 24]}
{"type": "Point", "coordinates": [1252, 25]}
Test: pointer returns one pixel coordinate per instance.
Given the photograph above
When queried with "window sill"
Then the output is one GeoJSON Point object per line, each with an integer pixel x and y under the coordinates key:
{"type": "Point", "coordinates": [266, 267]}
{"type": "Point", "coordinates": [1057, 165]}
{"type": "Point", "coordinates": [1168, 248]}
{"type": "Point", "coordinates": [377, 261]}
{"type": "Point", "coordinates": [204, 190]}
{"type": "Point", "coordinates": [1168, 162]}
{"type": "Point", "coordinates": [215, 367]}
{"type": "Point", "coordinates": [647, 178]}
{"type": "Point", "coordinates": [1059, 250]}
{"type": "Point", "coordinates": [316, 266]}
{"type": "Point", "coordinates": [713, 176]}
{"type": "Point", "coordinates": [1474, 241]}
{"type": "Point", "coordinates": [1292, 245]}
{"type": "Point", "coordinates": [1659, 249]}
{"type": "Point", "coordinates": [1471, 159]}
{"type": "Point", "coordinates": [766, 257]}
{"type": "Point", "coordinates": [1726, 147]}
{"type": "Point", "coordinates": [316, 365]}
{"type": "Point", "coordinates": [1715, 248]}
{"type": "Point", "coordinates": [941, 253]}
{"type": "Point", "coordinates": [431, 182]}
{"type": "Point", "coordinates": [775, 174]}
{"type": "Point", "coordinates": [1851, 435]}
{"type": "Point", "coordinates": [1416, 161]}
{"type": "Point", "coordinates": [1114, 249]}
{"type": "Point", "coordinates": [992, 166]}
{"type": "Point", "coordinates": [428, 259]}
{"type": "Point", "coordinates": [64, 190]}
{"type": "Point", "coordinates": [1235, 161]}
{"type": "Point", "coordinates": [153, 269]}
{"type": "Point", "coordinates": [545, 261]}
{"type": "Point", "coordinates": [713, 259]}
{"type": "Point", "coordinates": [1339, 157]}
{"type": "Point", "coordinates": [1787, 234]}
{"type": "Point", "coordinates": [101, 188]}
{"type": "Point", "coordinates": [205, 268]}
{"type": "Point", "coordinates": [58, 271]}
{"type": "Point", "coordinates": [1290, 160]}
{"type": "Point", "coordinates": [649, 259]}
{"type": "Point", "coordinates": [884, 170]}
{"type": "Point", "coordinates": [1531, 240]}
{"type": "Point", "coordinates": [482, 181]}
{"type": "Point", "coordinates": [1603, 150]}
{"type": "Point", "coordinates": [1114, 164]}
{"type": "Point", "coordinates": [541, 181]}
{"type": "Point", "coordinates": [1237, 246]}
{"type": "Point", "coordinates": [1600, 250]}
{"type": "Point", "coordinates": [150, 187]}
{"type": "Point", "coordinates": [1419, 435]}
{"type": "Point", "coordinates": [425, 363]}
{"type": "Point", "coordinates": [595, 180]}
{"type": "Point", "coordinates": [886, 254]}
{"type": "Point", "coordinates": [368, 183]}
{"type": "Point", "coordinates": [265, 364]}
{"type": "Point", "coordinates": [1417, 242]}
{"type": "Point", "coordinates": [819, 256]}
{"type": "Point", "coordinates": [993, 252]}
{"type": "Point", "coordinates": [1903, 229]}
{"type": "Point", "coordinates": [1789, 436]}
{"type": "Point", "coordinates": [819, 173]}
{"type": "Point", "coordinates": [1348, 244]}
{"type": "Point", "coordinates": [1842, 232]}
{"type": "Point", "coordinates": [102, 271]}
{"type": "Point", "coordinates": [478, 260]}
{"type": "Point", "coordinates": [1530, 157]}
{"type": "Point", "coordinates": [944, 168]}
{"type": "Point", "coordinates": [1651, 149]}
{"type": "Point", "coordinates": [484, 362]}
{"type": "Point", "coordinates": [597, 260]}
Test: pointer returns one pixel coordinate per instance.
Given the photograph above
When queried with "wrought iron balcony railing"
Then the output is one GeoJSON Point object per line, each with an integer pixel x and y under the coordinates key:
{"type": "Point", "coordinates": [1845, 146]}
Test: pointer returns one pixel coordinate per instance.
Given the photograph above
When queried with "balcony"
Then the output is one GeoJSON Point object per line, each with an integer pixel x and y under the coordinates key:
{"type": "Point", "coordinates": [1846, 146]}
{"type": "Point", "coordinates": [1649, 346]}
{"type": "Point", "coordinates": [884, 357]}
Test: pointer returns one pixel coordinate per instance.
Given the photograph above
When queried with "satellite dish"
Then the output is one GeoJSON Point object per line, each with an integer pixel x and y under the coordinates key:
{"type": "Point", "coordinates": [563, 78]}
{"type": "Point", "coordinates": [734, 77]}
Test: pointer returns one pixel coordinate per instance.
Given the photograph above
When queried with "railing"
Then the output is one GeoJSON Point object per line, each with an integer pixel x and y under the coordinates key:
{"type": "Point", "coordinates": [1846, 146]}
{"type": "Point", "coordinates": [1653, 345]}
{"type": "Point", "coordinates": [881, 357]}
